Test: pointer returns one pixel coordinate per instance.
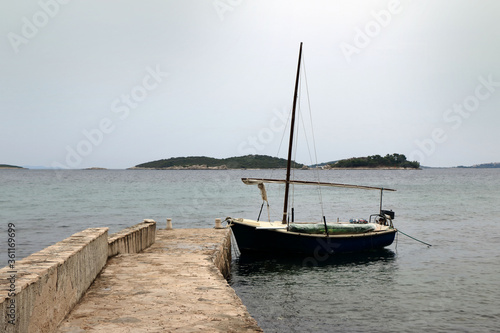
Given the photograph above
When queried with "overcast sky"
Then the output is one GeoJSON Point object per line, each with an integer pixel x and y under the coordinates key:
{"type": "Point", "coordinates": [117, 83]}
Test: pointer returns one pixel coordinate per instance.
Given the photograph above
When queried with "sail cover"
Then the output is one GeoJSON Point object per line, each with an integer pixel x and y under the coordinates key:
{"type": "Point", "coordinates": [333, 228]}
{"type": "Point", "coordinates": [256, 181]}
{"type": "Point", "coordinates": [263, 192]}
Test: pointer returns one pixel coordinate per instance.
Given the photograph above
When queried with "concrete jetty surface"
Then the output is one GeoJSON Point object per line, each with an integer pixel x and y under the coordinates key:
{"type": "Point", "coordinates": [172, 286]}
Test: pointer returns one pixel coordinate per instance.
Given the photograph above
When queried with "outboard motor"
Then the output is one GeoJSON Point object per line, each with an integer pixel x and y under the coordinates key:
{"type": "Point", "coordinates": [389, 213]}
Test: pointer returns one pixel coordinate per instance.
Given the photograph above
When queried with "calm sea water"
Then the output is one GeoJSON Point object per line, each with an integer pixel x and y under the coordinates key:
{"type": "Point", "coordinates": [408, 287]}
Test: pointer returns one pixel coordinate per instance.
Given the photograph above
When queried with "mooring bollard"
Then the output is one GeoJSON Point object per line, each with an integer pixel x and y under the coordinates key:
{"type": "Point", "coordinates": [169, 224]}
{"type": "Point", "coordinates": [218, 224]}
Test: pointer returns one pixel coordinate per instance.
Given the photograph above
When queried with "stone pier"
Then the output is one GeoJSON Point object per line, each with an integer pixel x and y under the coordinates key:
{"type": "Point", "coordinates": [176, 285]}
{"type": "Point", "coordinates": [141, 280]}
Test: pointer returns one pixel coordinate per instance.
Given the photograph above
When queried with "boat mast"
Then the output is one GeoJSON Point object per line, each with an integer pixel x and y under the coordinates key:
{"type": "Point", "coordinates": [290, 144]}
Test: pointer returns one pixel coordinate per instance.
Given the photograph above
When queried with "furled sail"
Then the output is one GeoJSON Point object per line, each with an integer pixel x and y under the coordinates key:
{"type": "Point", "coordinates": [257, 181]}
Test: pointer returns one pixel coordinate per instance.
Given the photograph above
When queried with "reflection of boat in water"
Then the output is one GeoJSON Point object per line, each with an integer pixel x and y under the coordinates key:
{"type": "Point", "coordinates": [312, 238]}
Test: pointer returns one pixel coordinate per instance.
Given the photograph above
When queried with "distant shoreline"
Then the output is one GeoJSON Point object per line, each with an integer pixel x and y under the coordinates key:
{"type": "Point", "coordinates": [376, 168]}
{"type": "Point", "coordinates": [198, 167]}
{"type": "Point", "coordinates": [11, 167]}
{"type": "Point", "coordinates": [210, 169]}
{"type": "Point", "coordinates": [224, 167]}
{"type": "Point", "coordinates": [201, 167]}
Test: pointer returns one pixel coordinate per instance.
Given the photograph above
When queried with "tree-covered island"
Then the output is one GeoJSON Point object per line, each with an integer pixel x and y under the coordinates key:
{"type": "Point", "coordinates": [7, 166]}
{"type": "Point", "coordinates": [394, 161]}
{"type": "Point", "coordinates": [203, 162]}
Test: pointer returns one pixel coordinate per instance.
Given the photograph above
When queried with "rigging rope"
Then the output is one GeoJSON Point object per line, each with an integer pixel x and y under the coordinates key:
{"type": "Point", "coordinates": [283, 136]}
{"type": "Point", "coordinates": [275, 210]}
{"type": "Point", "coordinates": [313, 161]}
{"type": "Point", "coordinates": [320, 195]}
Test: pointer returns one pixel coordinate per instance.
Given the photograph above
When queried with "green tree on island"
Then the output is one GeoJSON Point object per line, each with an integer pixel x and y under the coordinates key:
{"type": "Point", "coordinates": [377, 161]}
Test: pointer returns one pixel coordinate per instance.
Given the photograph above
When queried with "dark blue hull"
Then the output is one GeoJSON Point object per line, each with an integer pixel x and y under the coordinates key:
{"type": "Point", "coordinates": [250, 239]}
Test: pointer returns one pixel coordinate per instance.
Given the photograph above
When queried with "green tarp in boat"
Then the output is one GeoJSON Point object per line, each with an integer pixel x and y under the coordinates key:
{"type": "Point", "coordinates": [333, 228]}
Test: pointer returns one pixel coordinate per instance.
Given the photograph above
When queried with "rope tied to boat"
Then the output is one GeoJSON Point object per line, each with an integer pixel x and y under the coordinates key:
{"type": "Point", "coordinates": [418, 240]}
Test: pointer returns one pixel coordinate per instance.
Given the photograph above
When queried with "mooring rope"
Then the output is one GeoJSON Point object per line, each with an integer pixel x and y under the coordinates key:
{"type": "Point", "coordinates": [418, 240]}
{"type": "Point", "coordinates": [234, 247]}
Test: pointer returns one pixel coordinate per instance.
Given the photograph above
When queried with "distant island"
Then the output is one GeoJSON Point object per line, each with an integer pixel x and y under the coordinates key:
{"type": "Point", "coordinates": [482, 166]}
{"type": "Point", "coordinates": [210, 163]}
{"type": "Point", "coordinates": [7, 166]}
{"type": "Point", "coordinates": [394, 161]}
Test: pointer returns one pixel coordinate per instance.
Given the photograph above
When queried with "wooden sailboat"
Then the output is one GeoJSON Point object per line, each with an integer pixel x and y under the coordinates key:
{"type": "Point", "coordinates": [312, 238]}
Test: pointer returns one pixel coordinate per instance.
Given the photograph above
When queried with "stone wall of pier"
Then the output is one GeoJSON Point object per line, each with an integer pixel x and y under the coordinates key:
{"type": "Point", "coordinates": [133, 239]}
{"type": "Point", "coordinates": [49, 283]}
{"type": "Point", "coordinates": [222, 256]}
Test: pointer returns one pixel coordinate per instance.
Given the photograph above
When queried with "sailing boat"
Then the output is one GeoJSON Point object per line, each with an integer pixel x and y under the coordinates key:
{"type": "Point", "coordinates": [311, 238]}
